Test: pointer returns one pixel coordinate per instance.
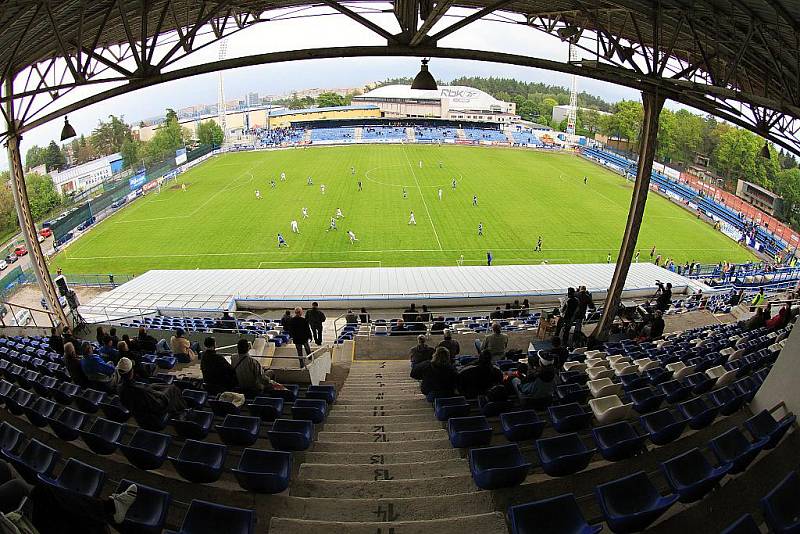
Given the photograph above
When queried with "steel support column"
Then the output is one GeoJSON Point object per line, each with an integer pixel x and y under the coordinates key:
{"type": "Point", "coordinates": [24, 214]}
{"type": "Point", "coordinates": [653, 103]}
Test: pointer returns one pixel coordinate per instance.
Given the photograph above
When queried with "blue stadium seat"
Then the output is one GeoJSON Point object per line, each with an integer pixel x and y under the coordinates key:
{"type": "Point", "coordinates": [266, 408]}
{"type": "Point", "coordinates": [700, 383]}
{"type": "Point", "coordinates": [763, 425]}
{"type": "Point", "coordinates": [223, 408]}
{"type": "Point", "coordinates": [780, 506]}
{"type": "Point", "coordinates": [67, 424]}
{"type": "Point", "coordinates": [264, 471]}
{"type": "Point", "coordinates": [18, 400]}
{"type": "Point", "coordinates": [618, 441]}
{"type": "Point", "coordinates": [502, 466]}
{"type": "Point", "coordinates": [323, 392]}
{"type": "Point", "coordinates": [746, 388]}
{"type": "Point", "coordinates": [200, 462]}
{"type": "Point", "coordinates": [89, 400]}
{"type": "Point", "coordinates": [193, 424]}
{"type": "Point", "coordinates": [727, 400]}
{"type": "Point", "coordinates": [631, 503]}
{"type": "Point", "coordinates": [239, 430]}
{"type": "Point", "coordinates": [744, 525]}
{"type": "Point", "coordinates": [646, 400]}
{"type": "Point", "coordinates": [662, 426]}
{"type": "Point", "coordinates": [675, 391]}
{"type": "Point", "coordinates": [313, 410]}
{"type": "Point", "coordinates": [35, 459]}
{"type": "Point", "coordinates": [569, 417]}
{"type": "Point", "coordinates": [78, 477]}
{"type": "Point", "coordinates": [289, 394]}
{"type": "Point", "coordinates": [44, 385]}
{"type": "Point", "coordinates": [195, 398]}
{"type": "Point", "coordinates": [65, 392]}
{"type": "Point", "coordinates": [39, 410]}
{"type": "Point", "coordinates": [732, 447]}
{"type": "Point", "coordinates": [6, 389]}
{"type": "Point", "coordinates": [114, 410]}
{"type": "Point", "coordinates": [148, 512]}
{"type": "Point", "coordinates": [146, 450]}
{"type": "Point", "coordinates": [490, 408]}
{"type": "Point", "coordinates": [698, 413]}
{"type": "Point", "coordinates": [469, 431]}
{"type": "Point", "coordinates": [103, 436]}
{"type": "Point", "coordinates": [209, 518]}
{"type": "Point", "coordinates": [446, 407]}
{"type": "Point", "coordinates": [691, 476]}
{"type": "Point", "coordinates": [166, 362]}
{"type": "Point", "coordinates": [10, 437]}
{"type": "Point", "coordinates": [633, 381]}
{"type": "Point", "coordinates": [563, 455]}
{"type": "Point", "coordinates": [291, 434]}
{"type": "Point", "coordinates": [572, 393]}
{"type": "Point", "coordinates": [27, 378]}
{"type": "Point", "coordinates": [657, 376]}
{"type": "Point", "coordinates": [557, 515]}
{"type": "Point", "coordinates": [522, 425]}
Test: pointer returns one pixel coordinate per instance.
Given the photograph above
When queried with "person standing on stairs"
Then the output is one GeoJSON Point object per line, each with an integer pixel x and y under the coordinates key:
{"type": "Point", "coordinates": [300, 330]}
{"type": "Point", "coordinates": [315, 318]}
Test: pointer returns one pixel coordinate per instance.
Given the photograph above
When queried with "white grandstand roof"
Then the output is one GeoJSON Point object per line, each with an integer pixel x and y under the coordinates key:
{"type": "Point", "coordinates": [216, 290]}
{"type": "Point", "coordinates": [459, 97]}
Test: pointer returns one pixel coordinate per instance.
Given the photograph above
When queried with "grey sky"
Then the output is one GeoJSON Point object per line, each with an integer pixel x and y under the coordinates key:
{"type": "Point", "coordinates": [320, 32]}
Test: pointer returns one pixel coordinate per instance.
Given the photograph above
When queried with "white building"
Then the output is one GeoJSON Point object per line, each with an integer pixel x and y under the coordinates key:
{"type": "Point", "coordinates": [87, 175]}
{"type": "Point", "coordinates": [562, 112]}
{"type": "Point", "coordinates": [452, 102]}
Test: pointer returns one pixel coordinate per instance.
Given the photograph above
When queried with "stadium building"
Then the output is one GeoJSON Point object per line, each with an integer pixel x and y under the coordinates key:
{"type": "Point", "coordinates": [87, 175]}
{"type": "Point", "coordinates": [454, 102]}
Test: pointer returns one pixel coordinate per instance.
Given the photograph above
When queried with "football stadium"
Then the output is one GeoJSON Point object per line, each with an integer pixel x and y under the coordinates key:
{"type": "Point", "coordinates": [412, 306]}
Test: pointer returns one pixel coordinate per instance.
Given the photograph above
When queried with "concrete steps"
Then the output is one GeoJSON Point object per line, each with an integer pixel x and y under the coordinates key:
{"type": "Point", "coordinates": [377, 489]}
{"type": "Point", "coordinates": [389, 437]}
{"type": "Point", "coordinates": [379, 446]}
{"type": "Point", "coordinates": [369, 471]}
{"type": "Point", "coordinates": [483, 523]}
{"type": "Point", "coordinates": [388, 426]}
{"type": "Point", "coordinates": [383, 458]}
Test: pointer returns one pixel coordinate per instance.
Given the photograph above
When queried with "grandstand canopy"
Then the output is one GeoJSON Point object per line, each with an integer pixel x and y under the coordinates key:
{"type": "Point", "coordinates": [737, 59]}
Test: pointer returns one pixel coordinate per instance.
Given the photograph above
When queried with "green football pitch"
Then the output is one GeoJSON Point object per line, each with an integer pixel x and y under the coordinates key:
{"type": "Point", "coordinates": [217, 221]}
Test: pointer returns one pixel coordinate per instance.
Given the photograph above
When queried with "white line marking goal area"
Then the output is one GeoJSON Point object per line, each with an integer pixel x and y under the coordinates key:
{"type": "Point", "coordinates": [342, 263]}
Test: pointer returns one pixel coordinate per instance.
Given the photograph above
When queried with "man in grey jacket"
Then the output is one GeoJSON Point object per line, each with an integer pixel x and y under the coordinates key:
{"type": "Point", "coordinates": [315, 318]}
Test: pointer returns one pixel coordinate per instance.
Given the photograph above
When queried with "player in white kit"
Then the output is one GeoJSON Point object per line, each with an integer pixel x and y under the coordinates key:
{"type": "Point", "coordinates": [305, 213]}
{"type": "Point", "coordinates": [333, 225]}
{"type": "Point", "coordinates": [283, 177]}
{"type": "Point", "coordinates": [295, 229]}
{"type": "Point", "coordinates": [339, 214]}
{"type": "Point", "coordinates": [322, 188]}
{"type": "Point", "coordinates": [352, 236]}
{"type": "Point", "coordinates": [440, 193]}
{"type": "Point", "coordinates": [258, 194]}
{"type": "Point", "coordinates": [412, 220]}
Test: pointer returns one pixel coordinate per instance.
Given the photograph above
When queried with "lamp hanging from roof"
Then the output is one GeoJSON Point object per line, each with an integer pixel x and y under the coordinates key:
{"type": "Point", "coordinates": [67, 131]}
{"type": "Point", "coordinates": [424, 79]}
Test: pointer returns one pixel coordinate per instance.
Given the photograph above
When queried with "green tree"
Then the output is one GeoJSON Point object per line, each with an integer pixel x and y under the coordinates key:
{"type": "Point", "coordinates": [626, 121]}
{"type": "Point", "coordinates": [107, 137]}
{"type": "Point", "coordinates": [35, 156]}
{"type": "Point", "coordinates": [131, 151]}
{"type": "Point", "coordinates": [42, 194]}
{"type": "Point", "coordinates": [326, 100]}
{"type": "Point", "coordinates": [590, 119]}
{"type": "Point", "coordinates": [210, 133]}
{"type": "Point", "coordinates": [737, 157]}
{"type": "Point", "coordinates": [787, 184]}
{"type": "Point", "coordinates": [54, 158]}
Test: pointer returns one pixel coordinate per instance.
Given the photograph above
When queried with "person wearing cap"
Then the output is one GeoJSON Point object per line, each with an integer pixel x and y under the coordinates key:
{"type": "Point", "coordinates": [218, 374]}
{"type": "Point", "coordinates": [540, 380]}
{"type": "Point", "coordinates": [420, 352]}
{"type": "Point", "coordinates": [452, 346]}
{"type": "Point", "coordinates": [149, 404]}
{"type": "Point", "coordinates": [182, 347]}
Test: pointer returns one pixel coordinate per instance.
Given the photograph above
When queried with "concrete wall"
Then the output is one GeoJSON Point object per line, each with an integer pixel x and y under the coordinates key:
{"type": "Point", "coordinates": [783, 381]}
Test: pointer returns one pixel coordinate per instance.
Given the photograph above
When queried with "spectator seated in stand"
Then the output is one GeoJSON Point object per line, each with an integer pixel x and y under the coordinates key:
{"type": "Point", "coordinates": [99, 373]}
{"type": "Point", "coordinates": [183, 350]}
{"type": "Point", "coordinates": [450, 344]}
{"type": "Point", "coordinates": [438, 375]}
{"type": "Point", "coordinates": [73, 364]}
{"type": "Point", "coordinates": [149, 404]}
{"type": "Point", "coordinates": [145, 343]}
{"type": "Point", "coordinates": [420, 352]}
{"type": "Point", "coordinates": [108, 350]}
{"type": "Point", "coordinates": [351, 318]}
{"type": "Point", "coordinates": [539, 382]}
{"type": "Point", "coordinates": [496, 343]}
{"type": "Point", "coordinates": [478, 378]}
{"type": "Point", "coordinates": [399, 329]}
{"type": "Point", "coordinates": [438, 326]}
{"type": "Point", "coordinates": [251, 376]}
{"type": "Point", "coordinates": [225, 323]}
{"type": "Point", "coordinates": [218, 374]}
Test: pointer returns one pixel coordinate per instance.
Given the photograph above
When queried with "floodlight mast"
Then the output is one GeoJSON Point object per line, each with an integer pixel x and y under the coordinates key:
{"type": "Point", "coordinates": [572, 113]}
{"type": "Point", "coordinates": [221, 111]}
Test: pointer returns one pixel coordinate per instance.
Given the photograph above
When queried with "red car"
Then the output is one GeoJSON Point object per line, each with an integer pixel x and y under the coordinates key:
{"type": "Point", "coordinates": [20, 250]}
{"type": "Point", "coordinates": [45, 232]}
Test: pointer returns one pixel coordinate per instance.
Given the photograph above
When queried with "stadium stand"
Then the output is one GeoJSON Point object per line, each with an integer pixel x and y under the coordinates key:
{"type": "Point", "coordinates": [527, 138]}
{"type": "Point", "coordinates": [429, 134]}
{"type": "Point", "coordinates": [383, 133]}
{"type": "Point", "coordinates": [333, 134]}
{"type": "Point", "coordinates": [479, 134]}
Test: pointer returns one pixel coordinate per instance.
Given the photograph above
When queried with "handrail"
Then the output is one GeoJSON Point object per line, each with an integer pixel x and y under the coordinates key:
{"type": "Point", "coordinates": [10, 307]}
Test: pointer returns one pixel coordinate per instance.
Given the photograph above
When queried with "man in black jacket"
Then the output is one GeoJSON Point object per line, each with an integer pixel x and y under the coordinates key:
{"type": "Point", "coordinates": [664, 298]}
{"type": "Point", "coordinates": [300, 330]}
{"type": "Point", "coordinates": [568, 311]}
{"type": "Point", "coordinates": [315, 318]}
{"type": "Point", "coordinates": [149, 404]}
{"type": "Point", "coordinates": [145, 343]}
{"type": "Point", "coordinates": [218, 373]}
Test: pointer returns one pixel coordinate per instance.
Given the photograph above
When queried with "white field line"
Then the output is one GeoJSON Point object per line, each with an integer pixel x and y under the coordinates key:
{"type": "Point", "coordinates": [424, 203]}
{"type": "Point", "coordinates": [315, 262]}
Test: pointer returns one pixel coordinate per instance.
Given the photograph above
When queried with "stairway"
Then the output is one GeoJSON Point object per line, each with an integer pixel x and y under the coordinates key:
{"type": "Point", "coordinates": [382, 463]}
{"type": "Point", "coordinates": [411, 137]}
{"type": "Point", "coordinates": [461, 134]}
{"type": "Point", "coordinates": [357, 135]}
{"type": "Point", "coordinates": [307, 136]}
{"type": "Point", "coordinates": [509, 136]}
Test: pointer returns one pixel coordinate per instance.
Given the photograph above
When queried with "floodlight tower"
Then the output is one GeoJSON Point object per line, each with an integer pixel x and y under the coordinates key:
{"type": "Point", "coordinates": [223, 51]}
{"type": "Point", "coordinates": [572, 112]}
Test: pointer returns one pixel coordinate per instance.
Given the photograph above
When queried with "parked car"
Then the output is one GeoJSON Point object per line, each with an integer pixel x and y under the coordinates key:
{"type": "Point", "coordinates": [40, 238]}
{"type": "Point", "coordinates": [3, 265]}
{"type": "Point", "coordinates": [20, 250]}
{"type": "Point", "coordinates": [11, 258]}
{"type": "Point", "coordinates": [45, 232]}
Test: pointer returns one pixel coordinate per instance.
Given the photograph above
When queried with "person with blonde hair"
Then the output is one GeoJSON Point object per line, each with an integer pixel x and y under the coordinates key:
{"type": "Point", "coordinates": [438, 375]}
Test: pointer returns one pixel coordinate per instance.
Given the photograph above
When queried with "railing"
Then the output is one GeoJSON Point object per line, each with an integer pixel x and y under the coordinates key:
{"type": "Point", "coordinates": [18, 315]}
{"type": "Point", "coordinates": [97, 280]}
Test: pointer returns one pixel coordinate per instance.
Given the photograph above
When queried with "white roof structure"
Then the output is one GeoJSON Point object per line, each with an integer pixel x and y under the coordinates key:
{"type": "Point", "coordinates": [212, 291]}
{"type": "Point", "coordinates": [459, 98]}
